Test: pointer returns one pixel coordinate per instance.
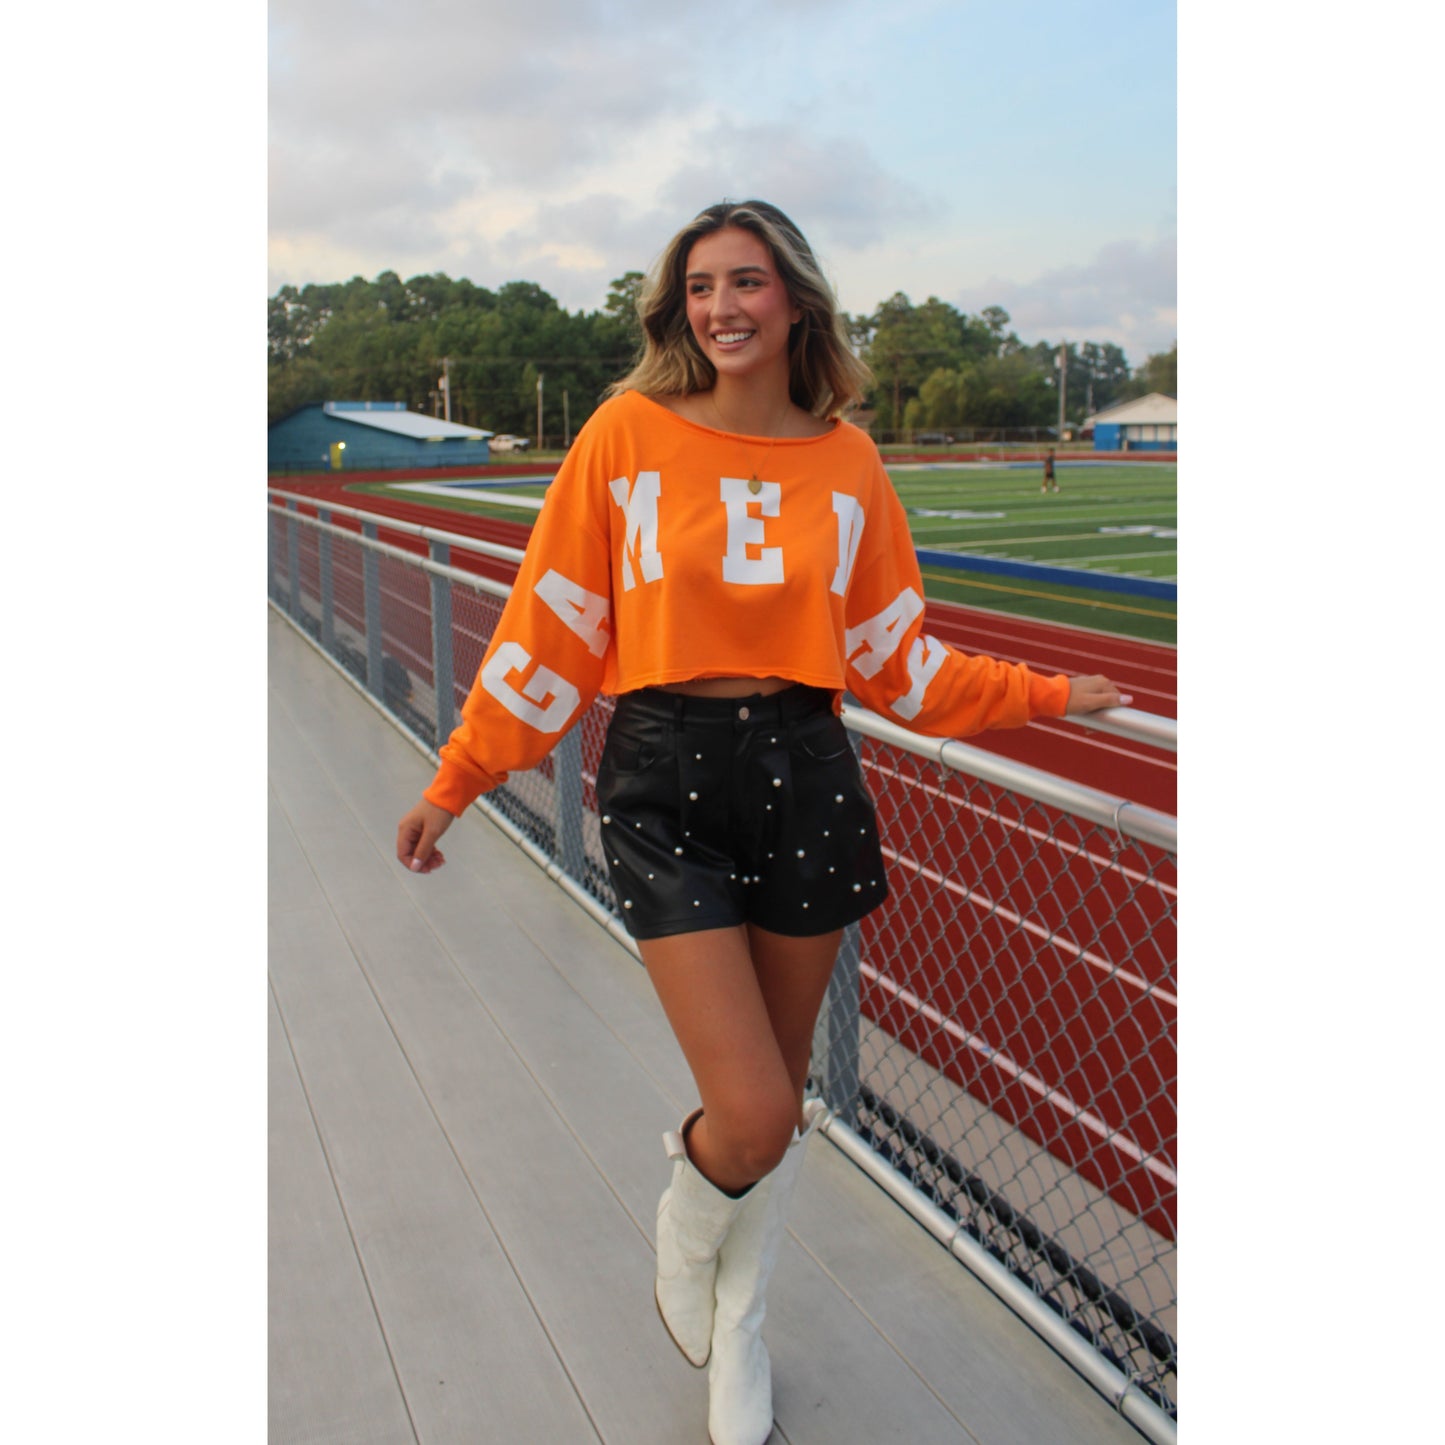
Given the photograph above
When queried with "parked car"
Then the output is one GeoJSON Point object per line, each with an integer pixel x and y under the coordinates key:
{"type": "Point", "coordinates": [505, 442]}
{"type": "Point", "coordinates": [932, 438]}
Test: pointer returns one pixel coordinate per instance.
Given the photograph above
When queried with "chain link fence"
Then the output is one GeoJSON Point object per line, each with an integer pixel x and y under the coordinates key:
{"type": "Point", "coordinates": [1000, 1034]}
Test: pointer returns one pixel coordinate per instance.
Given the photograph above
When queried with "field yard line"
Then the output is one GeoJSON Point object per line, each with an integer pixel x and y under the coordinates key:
{"type": "Point", "coordinates": [1039, 835]}
{"type": "Point", "coordinates": [1117, 556]}
{"type": "Point", "coordinates": [1030, 1081]}
{"type": "Point", "coordinates": [1089, 536]}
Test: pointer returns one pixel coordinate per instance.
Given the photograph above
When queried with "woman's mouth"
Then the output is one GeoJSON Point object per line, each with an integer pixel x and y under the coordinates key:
{"type": "Point", "coordinates": [731, 338]}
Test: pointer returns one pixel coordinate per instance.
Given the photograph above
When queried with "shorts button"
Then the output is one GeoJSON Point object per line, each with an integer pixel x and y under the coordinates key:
{"type": "Point", "coordinates": [743, 714]}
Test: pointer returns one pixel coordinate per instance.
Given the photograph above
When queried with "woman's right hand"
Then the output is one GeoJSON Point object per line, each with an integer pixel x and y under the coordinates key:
{"type": "Point", "coordinates": [417, 835]}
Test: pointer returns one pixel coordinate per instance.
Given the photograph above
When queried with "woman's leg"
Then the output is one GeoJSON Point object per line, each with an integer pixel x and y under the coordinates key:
{"type": "Point", "coordinates": [709, 990]}
{"type": "Point", "coordinates": [793, 976]}
{"type": "Point", "coordinates": [742, 1003]}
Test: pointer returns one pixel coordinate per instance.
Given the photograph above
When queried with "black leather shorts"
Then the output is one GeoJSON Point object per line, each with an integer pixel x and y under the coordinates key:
{"type": "Point", "coordinates": [720, 811]}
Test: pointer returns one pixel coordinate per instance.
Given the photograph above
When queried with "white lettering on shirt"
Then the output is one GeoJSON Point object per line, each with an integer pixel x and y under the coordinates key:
{"type": "Point", "coordinates": [881, 634]}
{"type": "Point", "coordinates": [925, 658]}
{"type": "Point", "coordinates": [640, 511]}
{"type": "Point", "coordinates": [850, 535]}
{"type": "Point", "coordinates": [545, 701]}
{"type": "Point", "coordinates": [584, 612]}
{"type": "Point", "coordinates": [746, 530]}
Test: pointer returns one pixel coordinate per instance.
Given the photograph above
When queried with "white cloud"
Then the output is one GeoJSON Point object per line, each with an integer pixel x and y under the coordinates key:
{"type": "Point", "coordinates": [831, 185]}
{"type": "Point", "coordinates": [1126, 294]}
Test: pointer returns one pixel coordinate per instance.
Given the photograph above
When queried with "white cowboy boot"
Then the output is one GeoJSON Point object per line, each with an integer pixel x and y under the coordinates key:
{"type": "Point", "coordinates": [740, 1376]}
{"type": "Point", "coordinates": [693, 1217]}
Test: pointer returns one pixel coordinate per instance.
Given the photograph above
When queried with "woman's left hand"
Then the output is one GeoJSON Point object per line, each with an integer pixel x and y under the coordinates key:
{"type": "Point", "coordinates": [1089, 694]}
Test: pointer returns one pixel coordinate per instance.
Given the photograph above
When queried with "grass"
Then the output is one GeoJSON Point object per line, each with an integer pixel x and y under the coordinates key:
{"type": "Point", "coordinates": [1118, 518]}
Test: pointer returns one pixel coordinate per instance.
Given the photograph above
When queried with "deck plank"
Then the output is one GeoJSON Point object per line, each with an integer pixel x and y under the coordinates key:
{"type": "Point", "coordinates": [330, 1376]}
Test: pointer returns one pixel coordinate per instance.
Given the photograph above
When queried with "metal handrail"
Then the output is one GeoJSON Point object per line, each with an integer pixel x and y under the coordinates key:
{"type": "Point", "coordinates": [1127, 723]}
{"type": "Point", "coordinates": [1107, 809]}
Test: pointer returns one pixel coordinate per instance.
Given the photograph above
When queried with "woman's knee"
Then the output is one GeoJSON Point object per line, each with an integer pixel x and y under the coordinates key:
{"type": "Point", "coordinates": [756, 1138]}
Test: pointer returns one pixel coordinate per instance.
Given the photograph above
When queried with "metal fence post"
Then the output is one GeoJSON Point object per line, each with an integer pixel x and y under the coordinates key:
{"type": "Point", "coordinates": [567, 772]}
{"type": "Point", "coordinates": [272, 590]}
{"type": "Point", "coordinates": [371, 592]}
{"type": "Point", "coordinates": [441, 644]}
{"type": "Point", "coordinates": [293, 559]}
{"type": "Point", "coordinates": [328, 596]}
{"type": "Point", "coordinates": [840, 1028]}
{"type": "Point", "coordinates": [841, 1010]}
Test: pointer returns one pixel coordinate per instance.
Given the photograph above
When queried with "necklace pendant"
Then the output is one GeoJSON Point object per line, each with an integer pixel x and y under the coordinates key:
{"type": "Point", "coordinates": [755, 486]}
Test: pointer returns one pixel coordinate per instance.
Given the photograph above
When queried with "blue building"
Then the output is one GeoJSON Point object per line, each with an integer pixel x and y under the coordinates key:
{"type": "Point", "coordinates": [357, 436]}
{"type": "Point", "coordinates": [1146, 424]}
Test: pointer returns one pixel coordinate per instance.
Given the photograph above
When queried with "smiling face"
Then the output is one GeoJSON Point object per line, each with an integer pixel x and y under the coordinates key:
{"type": "Point", "coordinates": [738, 307]}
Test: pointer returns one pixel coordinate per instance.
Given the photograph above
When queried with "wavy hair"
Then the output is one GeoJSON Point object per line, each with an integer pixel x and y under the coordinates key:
{"type": "Point", "coordinates": [824, 376]}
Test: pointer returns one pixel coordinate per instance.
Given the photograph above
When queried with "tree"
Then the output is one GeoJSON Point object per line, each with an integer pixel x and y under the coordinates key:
{"type": "Point", "coordinates": [1160, 373]}
{"type": "Point", "coordinates": [995, 318]}
{"type": "Point", "coordinates": [906, 343]}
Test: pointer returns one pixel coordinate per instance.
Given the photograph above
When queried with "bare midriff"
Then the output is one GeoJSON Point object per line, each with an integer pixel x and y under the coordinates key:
{"type": "Point", "coordinates": [728, 686]}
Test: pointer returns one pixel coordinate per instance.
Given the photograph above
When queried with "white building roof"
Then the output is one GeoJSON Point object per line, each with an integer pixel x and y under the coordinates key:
{"type": "Point", "coordinates": [1156, 407]}
{"type": "Point", "coordinates": [406, 423]}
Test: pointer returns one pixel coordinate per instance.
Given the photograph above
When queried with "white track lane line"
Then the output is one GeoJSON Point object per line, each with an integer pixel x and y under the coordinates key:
{"type": "Point", "coordinates": [1014, 825]}
{"type": "Point", "coordinates": [1049, 936]}
{"type": "Point", "coordinates": [1055, 1097]}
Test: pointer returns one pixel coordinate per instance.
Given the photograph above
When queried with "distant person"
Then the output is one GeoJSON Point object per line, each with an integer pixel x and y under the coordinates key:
{"type": "Point", "coordinates": [1049, 484]}
{"type": "Point", "coordinates": [724, 555]}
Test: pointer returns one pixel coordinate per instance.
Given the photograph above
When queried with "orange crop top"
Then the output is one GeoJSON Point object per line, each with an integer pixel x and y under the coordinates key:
{"type": "Point", "coordinates": [652, 561]}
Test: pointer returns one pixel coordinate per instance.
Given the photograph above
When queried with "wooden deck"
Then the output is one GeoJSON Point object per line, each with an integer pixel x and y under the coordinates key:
{"type": "Point", "coordinates": [468, 1085]}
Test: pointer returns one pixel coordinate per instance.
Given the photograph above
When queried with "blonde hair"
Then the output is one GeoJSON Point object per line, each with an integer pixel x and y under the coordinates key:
{"type": "Point", "coordinates": [824, 377]}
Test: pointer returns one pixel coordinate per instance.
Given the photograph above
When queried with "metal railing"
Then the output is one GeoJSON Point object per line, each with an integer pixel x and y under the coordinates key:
{"type": "Point", "coordinates": [998, 1042]}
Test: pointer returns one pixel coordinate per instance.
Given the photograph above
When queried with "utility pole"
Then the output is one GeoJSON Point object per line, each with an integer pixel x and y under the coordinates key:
{"type": "Point", "coordinates": [1063, 383]}
{"type": "Point", "coordinates": [566, 421]}
{"type": "Point", "coordinates": [539, 411]}
{"type": "Point", "coordinates": [445, 382]}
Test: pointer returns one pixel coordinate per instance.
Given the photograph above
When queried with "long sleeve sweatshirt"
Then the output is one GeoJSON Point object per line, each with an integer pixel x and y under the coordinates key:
{"type": "Point", "coordinates": [654, 561]}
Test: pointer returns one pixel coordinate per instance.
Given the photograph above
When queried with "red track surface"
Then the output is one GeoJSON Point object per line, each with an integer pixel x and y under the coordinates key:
{"type": "Point", "coordinates": [1068, 1029]}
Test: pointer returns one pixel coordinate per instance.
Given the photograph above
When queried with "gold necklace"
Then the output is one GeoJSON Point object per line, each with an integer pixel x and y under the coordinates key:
{"type": "Point", "coordinates": [754, 484]}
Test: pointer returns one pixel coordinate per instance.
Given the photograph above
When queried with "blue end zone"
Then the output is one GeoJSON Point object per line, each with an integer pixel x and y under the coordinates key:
{"type": "Point", "coordinates": [1064, 576]}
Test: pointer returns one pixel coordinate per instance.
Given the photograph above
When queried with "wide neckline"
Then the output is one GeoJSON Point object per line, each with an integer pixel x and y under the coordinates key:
{"type": "Point", "coordinates": [835, 425]}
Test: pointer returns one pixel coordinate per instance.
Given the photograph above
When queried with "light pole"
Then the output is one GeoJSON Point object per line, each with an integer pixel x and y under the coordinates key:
{"type": "Point", "coordinates": [1063, 365]}
{"type": "Point", "coordinates": [539, 411]}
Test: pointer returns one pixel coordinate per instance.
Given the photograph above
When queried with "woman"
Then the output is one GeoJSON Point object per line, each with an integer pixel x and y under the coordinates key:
{"type": "Point", "coordinates": [725, 555]}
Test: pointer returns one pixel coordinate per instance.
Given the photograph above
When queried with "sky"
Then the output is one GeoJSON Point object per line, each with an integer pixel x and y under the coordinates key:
{"type": "Point", "coordinates": [1018, 153]}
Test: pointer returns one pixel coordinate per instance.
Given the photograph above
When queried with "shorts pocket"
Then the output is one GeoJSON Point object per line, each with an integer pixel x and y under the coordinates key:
{"type": "Point", "coordinates": [629, 755]}
{"type": "Point", "coordinates": [825, 740]}
{"type": "Point", "coordinates": [631, 750]}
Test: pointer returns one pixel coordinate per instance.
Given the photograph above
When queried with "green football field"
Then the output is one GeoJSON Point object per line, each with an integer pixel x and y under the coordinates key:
{"type": "Point", "coordinates": [1118, 519]}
